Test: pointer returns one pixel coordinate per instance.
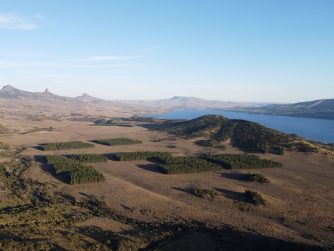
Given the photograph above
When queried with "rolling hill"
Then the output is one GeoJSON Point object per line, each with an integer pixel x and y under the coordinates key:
{"type": "Point", "coordinates": [321, 109]}
{"type": "Point", "coordinates": [247, 136]}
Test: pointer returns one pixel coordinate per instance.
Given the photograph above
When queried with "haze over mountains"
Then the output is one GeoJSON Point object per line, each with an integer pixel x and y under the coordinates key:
{"type": "Point", "coordinates": [15, 102]}
{"type": "Point", "coordinates": [20, 103]}
{"type": "Point", "coordinates": [321, 109]}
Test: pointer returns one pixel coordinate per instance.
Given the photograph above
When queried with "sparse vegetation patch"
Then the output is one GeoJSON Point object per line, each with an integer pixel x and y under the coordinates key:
{"type": "Point", "coordinates": [4, 150]}
{"type": "Point", "coordinates": [303, 147]}
{"type": "Point", "coordinates": [4, 129]}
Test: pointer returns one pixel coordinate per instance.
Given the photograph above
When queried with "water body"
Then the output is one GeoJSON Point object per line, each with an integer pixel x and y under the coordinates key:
{"type": "Point", "coordinates": [313, 129]}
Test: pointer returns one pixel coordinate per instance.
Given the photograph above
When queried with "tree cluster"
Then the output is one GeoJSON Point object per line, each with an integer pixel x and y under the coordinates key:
{"type": "Point", "coordinates": [64, 145]}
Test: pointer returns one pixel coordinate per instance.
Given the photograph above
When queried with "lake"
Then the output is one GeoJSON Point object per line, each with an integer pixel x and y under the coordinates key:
{"type": "Point", "coordinates": [313, 129]}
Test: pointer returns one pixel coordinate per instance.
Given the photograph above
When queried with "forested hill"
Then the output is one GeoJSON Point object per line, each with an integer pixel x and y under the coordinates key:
{"type": "Point", "coordinates": [247, 136]}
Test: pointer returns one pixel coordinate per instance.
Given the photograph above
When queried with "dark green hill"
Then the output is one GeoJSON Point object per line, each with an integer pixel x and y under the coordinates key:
{"type": "Point", "coordinates": [246, 135]}
{"type": "Point", "coordinates": [203, 126]}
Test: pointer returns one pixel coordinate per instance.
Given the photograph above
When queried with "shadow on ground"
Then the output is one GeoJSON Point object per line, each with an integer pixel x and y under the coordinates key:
{"type": "Point", "coordinates": [234, 176]}
{"type": "Point", "coordinates": [197, 240]}
{"type": "Point", "coordinates": [38, 147]}
{"type": "Point", "coordinates": [236, 196]}
{"type": "Point", "coordinates": [151, 167]}
{"type": "Point", "coordinates": [189, 190]}
{"type": "Point", "coordinates": [111, 156]}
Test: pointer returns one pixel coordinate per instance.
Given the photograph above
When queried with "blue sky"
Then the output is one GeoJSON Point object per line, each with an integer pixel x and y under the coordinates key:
{"type": "Point", "coordinates": [239, 50]}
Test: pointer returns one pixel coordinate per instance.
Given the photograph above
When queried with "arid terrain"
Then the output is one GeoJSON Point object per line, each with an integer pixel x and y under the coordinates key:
{"type": "Point", "coordinates": [47, 105]}
{"type": "Point", "coordinates": [166, 125]}
{"type": "Point", "coordinates": [299, 200]}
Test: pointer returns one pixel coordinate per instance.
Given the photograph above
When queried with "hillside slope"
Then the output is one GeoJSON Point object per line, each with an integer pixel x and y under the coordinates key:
{"type": "Point", "coordinates": [321, 109]}
{"type": "Point", "coordinates": [246, 135]}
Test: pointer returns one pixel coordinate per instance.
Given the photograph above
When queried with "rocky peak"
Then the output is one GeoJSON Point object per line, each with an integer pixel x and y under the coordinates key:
{"type": "Point", "coordinates": [8, 88]}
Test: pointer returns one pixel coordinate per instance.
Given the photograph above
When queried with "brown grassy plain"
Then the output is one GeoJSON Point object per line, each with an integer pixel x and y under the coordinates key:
{"type": "Point", "coordinates": [299, 197]}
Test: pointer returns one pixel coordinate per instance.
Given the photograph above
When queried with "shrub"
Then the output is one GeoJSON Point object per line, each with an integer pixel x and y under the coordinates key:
{"type": "Point", "coordinates": [279, 150]}
{"type": "Point", "coordinates": [238, 161]}
{"type": "Point", "coordinates": [254, 177]}
{"type": "Point", "coordinates": [64, 145]}
{"type": "Point", "coordinates": [117, 141]}
{"type": "Point", "coordinates": [254, 197]}
{"type": "Point", "coordinates": [205, 193]}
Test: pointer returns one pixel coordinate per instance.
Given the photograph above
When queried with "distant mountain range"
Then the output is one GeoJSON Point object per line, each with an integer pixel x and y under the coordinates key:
{"type": "Point", "coordinates": [321, 109]}
{"type": "Point", "coordinates": [19, 103]}
{"type": "Point", "coordinates": [15, 102]}
{"type": "Point", "coordinates": [10, 92]}
{"type": "Point", "coordinates": [179, 102]}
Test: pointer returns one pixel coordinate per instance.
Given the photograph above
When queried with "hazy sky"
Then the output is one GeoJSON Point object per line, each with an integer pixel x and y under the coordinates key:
{"type": "Point", "coordinates": [240, 50]}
